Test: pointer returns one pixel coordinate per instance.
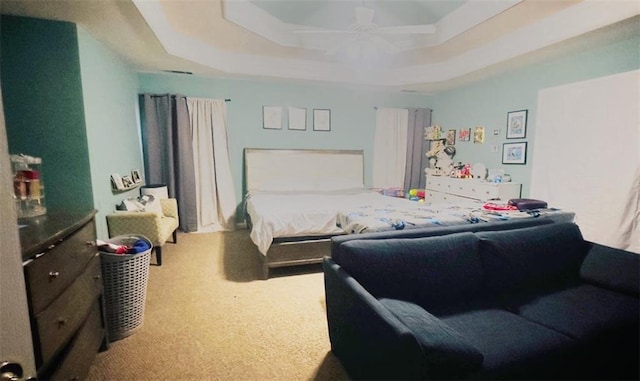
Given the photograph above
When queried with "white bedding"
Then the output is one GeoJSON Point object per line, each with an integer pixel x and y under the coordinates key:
{"type": "Point", "coordinates": [294, 214]}
{"type": "Point", "coordinates": [297, 214]}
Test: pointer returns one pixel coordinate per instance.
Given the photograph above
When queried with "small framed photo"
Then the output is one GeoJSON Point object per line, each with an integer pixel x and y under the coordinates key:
{"type": "Point", "coordinates": [321, 120]}
{"type": "Point", "coordinates": [464, 135]}
{"type": "Point", "coordinates": [297, 118]}
{"type": "Point", "coordinates": [135, 176]}
{"type": "Point", "coordinates": [478, 135]}
{"type": "Point", "coordinates": [451, 137]}
{"type": "Point", "coordinates": [517, 124]}
{"type": "Point", "coordinates": [514, 153]}
{"type": "Point", "coordinates": [126, 181]}
{"type": "Point", "coordinates": [116, 181]}
{"type": "Point", "coordinates": [272, 117]}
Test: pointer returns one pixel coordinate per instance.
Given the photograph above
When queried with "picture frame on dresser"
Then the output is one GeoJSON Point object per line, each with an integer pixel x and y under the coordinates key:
{"type": "Point", "coordinates": [514, 153]}
{"type": "Point", "coordinates": [517, 124]}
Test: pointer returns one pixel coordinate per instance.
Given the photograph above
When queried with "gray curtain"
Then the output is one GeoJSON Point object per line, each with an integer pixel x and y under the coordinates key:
{"type": "Point", "coordinates": [417, 161]}
{"type": "Point", "coordinates": [168, 152]}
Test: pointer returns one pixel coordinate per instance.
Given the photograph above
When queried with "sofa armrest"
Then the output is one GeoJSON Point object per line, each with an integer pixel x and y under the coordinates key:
{"type": "Point", "coordinates": [447, 352]}
{"type": "Point", "coordinates": [370, 341]}
{"type": "Point", "coordinates": [611, 268]}
{"type": "Point", "coordinates": [169, 207]}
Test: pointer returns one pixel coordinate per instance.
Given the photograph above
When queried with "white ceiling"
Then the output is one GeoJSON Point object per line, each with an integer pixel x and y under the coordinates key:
{"type": "Point", "coordinates": [261, 39]}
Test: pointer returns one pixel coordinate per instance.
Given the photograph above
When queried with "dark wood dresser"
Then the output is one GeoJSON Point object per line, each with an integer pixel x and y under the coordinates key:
{"type": "Point", "coordinates": [64, 292]}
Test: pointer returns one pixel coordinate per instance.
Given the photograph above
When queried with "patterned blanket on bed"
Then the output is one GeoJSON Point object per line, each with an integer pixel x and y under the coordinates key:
{"type": "Point", "coordinates": [408, 215]}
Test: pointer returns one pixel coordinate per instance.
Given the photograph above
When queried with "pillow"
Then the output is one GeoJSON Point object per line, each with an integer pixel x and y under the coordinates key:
{"type": "Point", "coordinates": [146, 203]}
{"type": "Point", "coordinates": [152, 204]}
{"type": "Point", "coordinates": [130, 205]}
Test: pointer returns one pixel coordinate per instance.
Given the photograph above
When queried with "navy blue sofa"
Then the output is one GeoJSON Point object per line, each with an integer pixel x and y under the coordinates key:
{"type": "Point", "coordinates": [527, 303]}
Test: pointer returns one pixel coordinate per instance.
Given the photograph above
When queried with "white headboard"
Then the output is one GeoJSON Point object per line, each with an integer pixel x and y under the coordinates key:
{"type": "Point", "coordinates": [302, 169]}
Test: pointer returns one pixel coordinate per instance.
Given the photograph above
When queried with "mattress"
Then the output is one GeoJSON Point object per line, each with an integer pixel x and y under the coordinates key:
{"type": "Point", "coordinates": [301, 214]}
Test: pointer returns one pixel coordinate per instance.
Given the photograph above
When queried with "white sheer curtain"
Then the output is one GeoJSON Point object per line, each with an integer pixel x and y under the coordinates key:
{"type": "Point", "coordinates": [215, 193]}
{"type": "Point", "coordinates": [390, 147]}
{"type": "Point", "coordinates": [586, 157]}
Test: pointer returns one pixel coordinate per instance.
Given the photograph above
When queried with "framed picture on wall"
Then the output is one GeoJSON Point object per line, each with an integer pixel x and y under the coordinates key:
{"type": "Point", "coordinates": [127, 182]}
{"type": "Point", "coordinates": [297, 118]}
{"type": "Point", "coordinates": [135, 176]}
{"type": "Point", "coordinates": [321, 120]}
{"type": "Point", "coordinates": [464, 135]}
{"type": "Point", "coordinates": [517, 124]}
{"type": "Point", "coordinates": [514, 153]}
{"type": "Point", "coordinates": [116, 180]}
{"type": "Point", "coordinates": [272, 117]}
{"type": "Point", "coordinates": [478, 135]}
{"type": "Point", "coordinates": [451, 137]}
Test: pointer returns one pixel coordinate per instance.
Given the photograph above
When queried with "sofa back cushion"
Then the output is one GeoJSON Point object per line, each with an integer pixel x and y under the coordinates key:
{"type": "Point", "coordinates": [431, 272]}
{"type": "Point", "coordinates": [531, 259]}
{"type": "Point", "coordinates": [338, 241]}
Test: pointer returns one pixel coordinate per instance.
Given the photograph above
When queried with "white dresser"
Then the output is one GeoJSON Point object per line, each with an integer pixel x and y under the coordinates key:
{"type": "Point", "coordinates": [448, 189]}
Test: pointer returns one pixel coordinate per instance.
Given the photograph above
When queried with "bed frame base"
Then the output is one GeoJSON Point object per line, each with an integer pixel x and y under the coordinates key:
{"type": "Point", "coordinates": [294, 254]}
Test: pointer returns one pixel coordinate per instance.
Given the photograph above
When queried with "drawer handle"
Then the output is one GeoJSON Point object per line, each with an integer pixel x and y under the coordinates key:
{"type": "Point", "coordinates": [53, 275]}
{"type": "Point", "coordinates": [97, 277]}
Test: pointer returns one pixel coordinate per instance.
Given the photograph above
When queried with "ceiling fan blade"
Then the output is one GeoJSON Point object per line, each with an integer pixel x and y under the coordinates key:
{"type": "Point", "coordinates": [340, 46]}
{"type": "Point", "coordinates": [384, 45]}
{"type": "Point", "coordinates": [408, 29]}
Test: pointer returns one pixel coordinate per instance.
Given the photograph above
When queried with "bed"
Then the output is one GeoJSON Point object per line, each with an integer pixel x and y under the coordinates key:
{"type": "Point", "coordinates": [292, 197]}
{"type": "Point", "coordinates": [297, 199]}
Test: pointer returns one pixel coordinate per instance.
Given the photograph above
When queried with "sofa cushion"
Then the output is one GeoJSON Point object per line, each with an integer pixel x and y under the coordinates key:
{"type": "Point", "coordinates": [584, 312]}
{"type": "Point", "coordinates": [531, 259]}
{"type": "Point", "coordinates": [443, 346]}
{"type": "Point", "coordinates": [337, 241]}
{"type": "Point", "coordinates": [606, 323]}
{"type": "Point", "coordinates": [514, 347]}
{"type": "Point", "coordinates": [432, 272]}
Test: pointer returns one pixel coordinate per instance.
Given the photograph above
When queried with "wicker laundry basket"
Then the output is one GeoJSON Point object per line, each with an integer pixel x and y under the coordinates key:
{"type": "Point", "coordinates": [125, 279]}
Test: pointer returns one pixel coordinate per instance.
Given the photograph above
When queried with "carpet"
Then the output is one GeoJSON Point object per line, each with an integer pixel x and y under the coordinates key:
{"type": "Point", "coordinates": [207, 316]}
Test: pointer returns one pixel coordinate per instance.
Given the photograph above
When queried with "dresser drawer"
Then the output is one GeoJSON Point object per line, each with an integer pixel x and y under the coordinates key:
{"type": "Point", "coordinates": [434, 196]}
{"type": "Point", "coordinates": [476, 190]}
{"type": "Point", "coordinates": [83, 348]}
{"type": "Point", "coordinates": [60, 320]}
{"type": "Point", "coordinates": [50, 274]}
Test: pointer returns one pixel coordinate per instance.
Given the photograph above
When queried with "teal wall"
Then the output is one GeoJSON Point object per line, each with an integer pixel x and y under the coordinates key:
{"type": "Point", "coordinates": [43, 104]}
{"type": "Point", "coordinates": [110, 88]}
{"type": "Point", "coordinates": [70, 100]}
{"type": "Point", "coordinates": [486, 103]}
{"type": "Point", "coordinates": [352, 113]}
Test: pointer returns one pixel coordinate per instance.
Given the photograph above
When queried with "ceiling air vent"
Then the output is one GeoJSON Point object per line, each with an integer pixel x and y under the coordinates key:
{"type": "Point", "coordinates": [178, 72]}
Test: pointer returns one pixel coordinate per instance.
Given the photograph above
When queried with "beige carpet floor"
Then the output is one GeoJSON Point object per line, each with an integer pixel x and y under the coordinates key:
{"type": "Point", "coordinates": [208, 317]}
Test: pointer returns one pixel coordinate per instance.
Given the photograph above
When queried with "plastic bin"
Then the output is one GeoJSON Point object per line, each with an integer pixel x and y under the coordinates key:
{"type": "Point", "coordinates": [125, 279]}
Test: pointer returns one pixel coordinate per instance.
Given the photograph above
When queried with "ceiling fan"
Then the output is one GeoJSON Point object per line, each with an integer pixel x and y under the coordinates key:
{"type": "Point", "coordinates": [365, 30]}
